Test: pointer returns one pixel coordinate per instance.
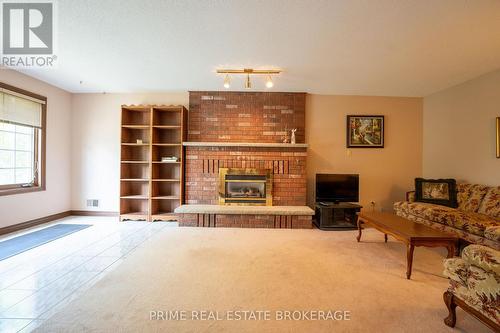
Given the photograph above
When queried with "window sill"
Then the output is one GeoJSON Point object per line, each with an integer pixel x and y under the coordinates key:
{"type": "Point", "coordinates": [20, 190]}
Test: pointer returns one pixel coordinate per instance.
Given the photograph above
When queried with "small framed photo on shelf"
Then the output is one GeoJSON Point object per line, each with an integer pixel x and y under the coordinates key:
{"type": "Point", "coordinates": [365, 131]}
{"type": "Point", "coordinates": [498, 137]}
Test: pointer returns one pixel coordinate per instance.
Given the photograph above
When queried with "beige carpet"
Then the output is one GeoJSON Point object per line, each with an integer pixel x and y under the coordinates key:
{"type": "Point", "coordinates": [185, 269]}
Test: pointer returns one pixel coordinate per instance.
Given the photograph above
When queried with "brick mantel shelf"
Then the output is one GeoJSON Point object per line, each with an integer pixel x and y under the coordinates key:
{"type": "Point", "coordinates": [246, 144]}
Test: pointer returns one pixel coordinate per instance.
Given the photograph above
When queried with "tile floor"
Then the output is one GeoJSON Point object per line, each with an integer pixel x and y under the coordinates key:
{"type": "Point", "coordinates": [39, 282]}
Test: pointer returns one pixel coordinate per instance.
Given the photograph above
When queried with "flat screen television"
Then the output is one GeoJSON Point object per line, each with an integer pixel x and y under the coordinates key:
{"type": "Point", "coordinates": [337, 188]}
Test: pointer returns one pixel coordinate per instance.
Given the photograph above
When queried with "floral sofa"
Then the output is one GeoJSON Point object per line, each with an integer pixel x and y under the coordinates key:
{"type": "Point", "coordinates": [474, 285]}
{"type": "Point", "coordinates": [476, 219]}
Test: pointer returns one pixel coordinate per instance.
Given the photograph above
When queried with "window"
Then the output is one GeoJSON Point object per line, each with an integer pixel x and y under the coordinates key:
{"type": "Point", "coordinates": [22, 141]}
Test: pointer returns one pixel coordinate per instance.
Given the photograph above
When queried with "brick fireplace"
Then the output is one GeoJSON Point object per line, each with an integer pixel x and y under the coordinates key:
{"type": "Point", "coordinates": [245, 116]}
{"type": "Point", "coordinates": [245, 130]}
{"type": "Point", "coordinates": [288, 166]}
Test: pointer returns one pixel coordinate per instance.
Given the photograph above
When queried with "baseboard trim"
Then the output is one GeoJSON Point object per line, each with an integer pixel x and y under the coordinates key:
{"type": "Point", "coordinates": [33, 223]}
{"type": "Point", "coordinates": [93, 213]}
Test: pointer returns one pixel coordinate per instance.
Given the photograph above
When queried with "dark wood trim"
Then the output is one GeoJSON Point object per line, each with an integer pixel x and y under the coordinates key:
{"type": "Point", "coordinates": [452, 301]}
{"type": "Point", "coordinates": [41, 179]}
{"type": "Point", "coordinates": [53, 217]}
{"type": "Point", "coordinates": [20, 190]}
{"type": "Point", "coordinates": [33, 223]}
{"type": "Point", "coordinates": [93, 213]}
{"type": "Point", "coordinates": [43, 147]}
{"type": "Point", "coordinates": [22, 91]}
{"type": "Point", "coordinates": [407, 195]}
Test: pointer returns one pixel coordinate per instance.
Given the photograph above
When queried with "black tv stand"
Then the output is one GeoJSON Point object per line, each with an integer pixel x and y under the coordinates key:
{"type": "Point", "coordinates": [336, 216]}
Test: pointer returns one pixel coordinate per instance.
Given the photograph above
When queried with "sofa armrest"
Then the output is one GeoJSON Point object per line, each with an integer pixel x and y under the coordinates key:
{"type": "Point", "coordinates": [410, 196]}
{"type": "Point", "coordinates": [456, 269]}
{"type": "Point", "coordinates": [483, 257]}
{"type": "Point", "coordinates": [493, 233]}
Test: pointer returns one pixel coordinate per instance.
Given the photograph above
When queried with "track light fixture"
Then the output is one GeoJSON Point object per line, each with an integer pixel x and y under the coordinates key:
{"type": "Point", "coordinates": [248, 83]}
{"type": "Point", "coordinates": [269, 82]}
{"type": "Point", "coordinates": [249, 71]}
{"type": "Point", "coordinates": [227, 81]}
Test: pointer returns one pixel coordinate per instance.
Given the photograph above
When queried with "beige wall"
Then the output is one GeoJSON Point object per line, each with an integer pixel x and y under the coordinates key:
{"type": "Point", "coordinates": [23, 207]}
{"type": "Point", "coordinates": [84, 129]}
{"type": "Point", "coordinates": [385, 174]}
{"type": "Point", "coordinates": [83, 147]}
{"type": "Point", "coordinates": [459, 131]}
{"type": "Point", "coordinates": [96, 144]}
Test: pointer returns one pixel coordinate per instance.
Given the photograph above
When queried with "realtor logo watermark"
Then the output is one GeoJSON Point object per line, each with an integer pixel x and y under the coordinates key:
{"type": "Point", "coordinates": [28, 34]}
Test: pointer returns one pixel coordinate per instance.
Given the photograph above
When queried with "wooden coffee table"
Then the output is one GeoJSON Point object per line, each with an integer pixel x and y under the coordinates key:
{"type": "Point", "coordinates": [411, 233]}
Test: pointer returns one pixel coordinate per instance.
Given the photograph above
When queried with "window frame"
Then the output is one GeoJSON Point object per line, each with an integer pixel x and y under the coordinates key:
{"type": "Point", "coordinates": [39, 149]}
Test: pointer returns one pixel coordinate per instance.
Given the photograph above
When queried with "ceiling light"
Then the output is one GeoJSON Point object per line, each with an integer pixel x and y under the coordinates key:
{"type": "Point", "coordinates": [269, 82]}
{"type": "Point", "coordinates": [227, 81]}
{"type": "Point", "coordinates": [248, 72]}
{"type": "Point", "coordinates": [248, 83]}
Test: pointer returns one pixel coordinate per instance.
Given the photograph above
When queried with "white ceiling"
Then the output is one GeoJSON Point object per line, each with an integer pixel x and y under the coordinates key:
{"type": "Point", "coordinates": [358, 47]}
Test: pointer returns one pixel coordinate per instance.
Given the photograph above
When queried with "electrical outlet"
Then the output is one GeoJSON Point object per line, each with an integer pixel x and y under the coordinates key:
{"type": "Point", "coordinates": [92, 203]}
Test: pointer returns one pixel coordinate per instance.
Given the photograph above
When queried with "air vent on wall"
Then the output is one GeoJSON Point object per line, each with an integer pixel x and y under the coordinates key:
{"type": "Point", "coordinates": [92, 203]}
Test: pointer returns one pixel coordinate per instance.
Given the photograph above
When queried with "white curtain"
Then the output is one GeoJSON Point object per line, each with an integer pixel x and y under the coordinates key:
{"type": "Point", "coordinates": [18, 110]}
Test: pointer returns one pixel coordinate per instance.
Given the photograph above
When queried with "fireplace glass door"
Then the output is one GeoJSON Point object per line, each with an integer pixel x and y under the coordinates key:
{"type": "Point", "coordinates": [245, 187]}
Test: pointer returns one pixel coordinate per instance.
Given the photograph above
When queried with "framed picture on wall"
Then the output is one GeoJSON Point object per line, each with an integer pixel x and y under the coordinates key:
{"type": "Point", "coordinates": [365, 131]}
{"type": "Point", "coordinates": [498, 137]}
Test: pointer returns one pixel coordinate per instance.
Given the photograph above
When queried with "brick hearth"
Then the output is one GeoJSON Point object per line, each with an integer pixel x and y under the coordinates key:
{"type": "Point", "coordinates": [246, 221]}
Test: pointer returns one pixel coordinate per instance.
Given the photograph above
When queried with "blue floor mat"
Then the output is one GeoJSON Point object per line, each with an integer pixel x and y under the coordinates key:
{"type": "Point", "coordinates": [29, 241]}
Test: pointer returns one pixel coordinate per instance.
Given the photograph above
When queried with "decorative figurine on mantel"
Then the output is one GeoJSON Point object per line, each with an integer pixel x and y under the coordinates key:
{"type": "Point", "coordinates": [293, 136]}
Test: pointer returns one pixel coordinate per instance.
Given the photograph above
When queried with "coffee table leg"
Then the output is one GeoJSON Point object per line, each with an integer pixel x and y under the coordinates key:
{"type": "Point", "coordinates": [409, 259]}
{"type": "Point", "coordinates": [385, 238]}
{"type": "Point", "coordinates": [359, 229]}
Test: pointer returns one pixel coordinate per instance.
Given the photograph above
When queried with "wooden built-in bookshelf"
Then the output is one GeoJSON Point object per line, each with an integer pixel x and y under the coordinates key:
{"type": "Point", "coordinates": [150, 189]}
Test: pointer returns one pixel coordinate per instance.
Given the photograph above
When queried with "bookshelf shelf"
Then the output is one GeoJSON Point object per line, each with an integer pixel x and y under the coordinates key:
{"type": "Point", "coordinates": [166, 127]}
{"type": "Point", "coordinates": [150, 189]}
{"type": "Point", "coordinates": [166, 180]}
{"type": "Point", "coordinates": [136, 126]}
{"type": "Point", "coordinates": [134, 197]}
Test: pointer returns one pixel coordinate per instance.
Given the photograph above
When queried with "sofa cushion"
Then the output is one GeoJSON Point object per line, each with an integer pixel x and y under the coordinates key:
{"type": "Point", "coordinates": [474, 223]}
{"type": "Point", "coordinates": [436, 191]}
{"type": "Point", "coordinates": [469, 196]}
{"type": "Point", "coordinates": [491, 203]}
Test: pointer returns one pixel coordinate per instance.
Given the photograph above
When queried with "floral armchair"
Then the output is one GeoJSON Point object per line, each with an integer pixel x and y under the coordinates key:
{"type": "Point", "coordinates": [474, 285]}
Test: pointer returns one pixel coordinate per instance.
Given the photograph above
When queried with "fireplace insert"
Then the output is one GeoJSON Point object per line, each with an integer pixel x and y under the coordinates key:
{"type": "Point", "coordinates": [239, 186]}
